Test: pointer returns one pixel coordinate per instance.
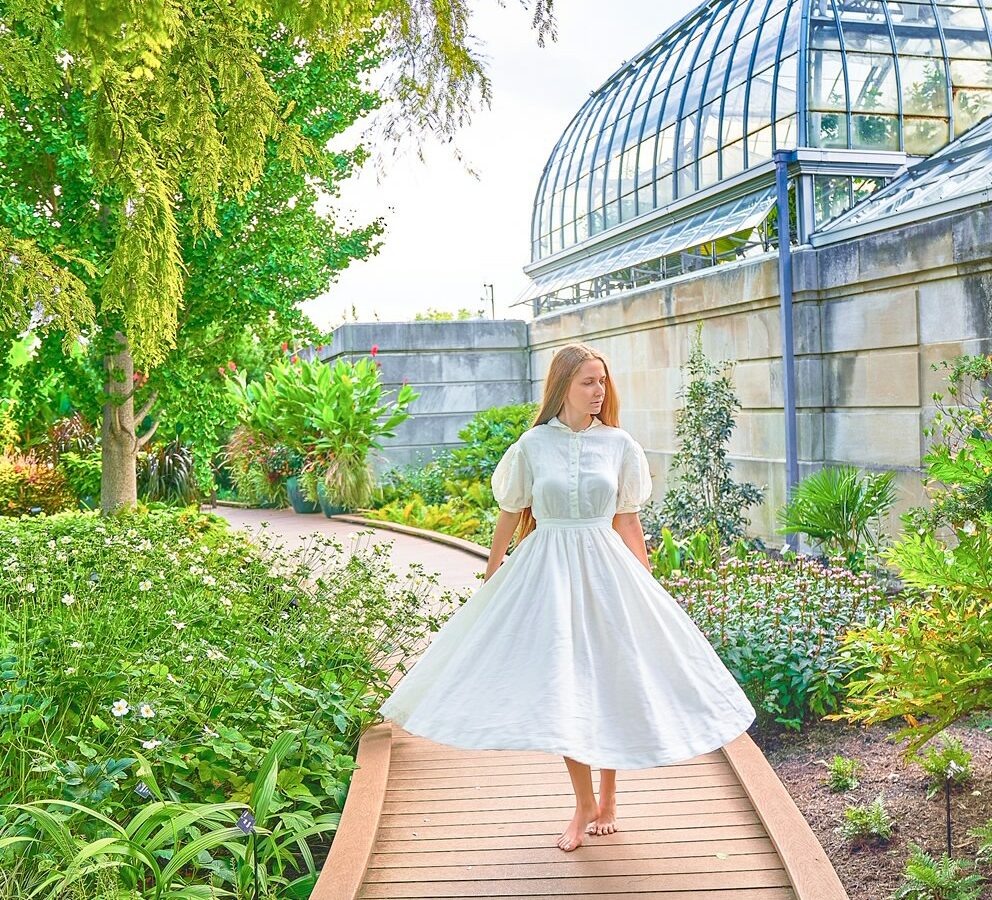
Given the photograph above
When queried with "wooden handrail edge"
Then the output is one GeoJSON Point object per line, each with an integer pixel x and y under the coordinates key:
{"type": "Point", "coordinates": [343, 872]}
{"type": "Point", "coordinates": [806, 864]}
{"type": "Point", "coordinates": [436, 536]}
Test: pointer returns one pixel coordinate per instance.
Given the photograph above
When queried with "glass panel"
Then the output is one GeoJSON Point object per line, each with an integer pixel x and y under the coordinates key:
{"type": "Point", "coordinates": [581, 228]}
{"type": "Point", "coordinates": [768, 43]}
{"type": "Point", "coordinates": [911, 13]}
{"type": "Point", "coordinates": [709, 170]}
{"type": "Point", "coordinates": [710, 128]}
{"type": "Point", "coordinates": [920, 41]}
{"type": "Point", "coordinates": [827, 129]}
{"type": "Point", "coordinates": [687, 180]}
{"type": "Point", "coordinates": [826, 83]}
{"type": "Point", "coordinates": [687, 140]}
{"type": "Point", "coordinates": [671, 111]}
{"type": "Point", "coordinates": [924, 86]}
{"type": "Point", "coordinates": [714, 85]}
{"type": "Point", "coordinates": [865, 187]}
{"type": "Point", "coordinates": [665, 151]}
{"type": "Point", "coordinates": [873, 83]}
{"type": "Point", "coordinates": [785, 97]}
{"type": "Point", "coordinates": [924, 136]}
{"type": "Point", "coordinates": [759, 146]}
{"type": "Point", "coordinates": [975, 46]}
{"type": "Point", "coordinates": [627, 210]}
{"type": "Point", "coordinates": [612, 176]}
{"type": "Point", "coordinates": [628, 170]}
{"type": "Point", "coordinates": [971, 73]}
{"type": "Point", "coordinates": [875, 132]}
{"type": "Point", "coordinates": [741, 64]}
{"type": "Point", "coordinates": [958, 17]}
{"type": "Point", "coordinates": [645, 162]}
{"type": "Point", "coordinates": [823, 34]}
{"type": "Point", "coordinates": [786, 135]}
{"type": "Point", "coordinates": [645, 199]}
{"type": "Point", "coordinates": [733, 114]}
{"type": "Point", "coordinates": [860, 11]}
{"type": "Point", "coordinates": [867, 37]}
{"type": "Point", "coordinates": [732, 157]}
{"type": "Point", "coordinates": [971, 105]}
{"type": "Point", "coordinates": [831, 197]}
{"type": "Point", "coordinates": [664, 190]}
{"type": "Point", "coordinates": [759, 104]}
{"type": "Point", "coordinates": [612, 214]}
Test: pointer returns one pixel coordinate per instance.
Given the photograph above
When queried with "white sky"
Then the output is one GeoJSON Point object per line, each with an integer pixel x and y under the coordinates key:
{"type": "Point", "coordinates": [447, 232]}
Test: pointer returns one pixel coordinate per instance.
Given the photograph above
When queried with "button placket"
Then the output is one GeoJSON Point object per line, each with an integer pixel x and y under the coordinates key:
{"type": "Point", "coordinates": [573, 474]}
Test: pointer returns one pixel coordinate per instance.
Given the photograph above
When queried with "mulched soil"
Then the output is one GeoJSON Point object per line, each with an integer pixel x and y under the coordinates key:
{"type": "Point", "coordinates": [873, 873]}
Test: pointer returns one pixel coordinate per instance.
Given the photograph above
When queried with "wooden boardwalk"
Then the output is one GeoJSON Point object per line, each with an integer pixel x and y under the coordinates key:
{"type": "Point", "coordinates": [424, 820]}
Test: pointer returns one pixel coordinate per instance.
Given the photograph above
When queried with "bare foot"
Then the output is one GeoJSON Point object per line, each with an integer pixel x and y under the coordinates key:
{"type": "Point", "coordinates": [571, 837]}
{"type": "Point", "coordinates": [606, 819]}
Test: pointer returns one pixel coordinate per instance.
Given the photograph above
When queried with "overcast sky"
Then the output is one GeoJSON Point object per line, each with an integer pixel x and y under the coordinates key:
{"type": "Point", "coordinates": [447, 232]}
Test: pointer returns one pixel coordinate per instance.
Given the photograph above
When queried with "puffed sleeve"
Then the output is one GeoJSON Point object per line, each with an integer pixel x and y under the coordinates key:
{"type": "Point", "coordinates": [512, 480]}
{"type": "Point", "coordinates": [634, 485]}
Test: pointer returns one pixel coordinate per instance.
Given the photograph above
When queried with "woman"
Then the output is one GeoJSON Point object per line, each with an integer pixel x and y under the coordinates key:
{"type": "Point", "coordinates": [572, 647]}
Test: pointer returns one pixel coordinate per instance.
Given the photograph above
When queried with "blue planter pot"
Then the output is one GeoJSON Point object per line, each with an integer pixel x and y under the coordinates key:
{"type": "Point", "coordinates": [329, 508]}
{"type": "Point", "coordinates": [296, 499]}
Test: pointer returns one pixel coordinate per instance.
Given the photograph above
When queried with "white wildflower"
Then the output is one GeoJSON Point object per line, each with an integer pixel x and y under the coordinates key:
{"type": "Point", "coordinates": [77, 645]}
{"type": "Point", "coordinates": [209, 732]}
{"type": "Point", "coordinates": [968, 527]}
{"type": "Point", "coordinates": [120, 708]}
{"type": "Point", "coordinates": [209, 580]}
{"type": "Point", "coordinates": [146, 711]}
{"type": "Point", "coordinates": [214, 654]}
{"type": "Point", "coordinates": [70, 670]}
{"type": "Point", "coordinates": [68, 599]}
{"type": "Point", "coordinates": [179, 626]}
{"type": "Point", "coordinates": [151, 745]}
{"type": "Point", "coordinates": [145, 586]}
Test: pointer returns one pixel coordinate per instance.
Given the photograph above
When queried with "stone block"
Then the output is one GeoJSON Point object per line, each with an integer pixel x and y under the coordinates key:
{"type": "Point", "coordinates": [869, 437]}
{"type": "Point", "coordinates": [917, 248]}
{"type": "Point", "coordinates": [872, 378]}
{"type": "Point", "coordinates": [869, 321]}
{"type": "Point", "coordinates": [956, 309]}
{"type": "Point", "coordinates": [972, 235]}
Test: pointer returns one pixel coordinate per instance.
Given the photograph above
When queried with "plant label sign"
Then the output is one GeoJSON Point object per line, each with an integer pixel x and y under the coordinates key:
{"type": "Point", "coordinates": [246, 822]}
{"type": "Point", "coordinates": [141, 789]}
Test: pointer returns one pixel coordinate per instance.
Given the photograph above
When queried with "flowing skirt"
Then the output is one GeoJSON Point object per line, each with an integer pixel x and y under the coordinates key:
{"type": "Point", "coordinates": [573, 648]}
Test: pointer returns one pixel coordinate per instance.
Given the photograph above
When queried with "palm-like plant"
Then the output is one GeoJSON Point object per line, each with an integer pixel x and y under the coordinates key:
{"type": "Point", "coordinates": [839, 507]}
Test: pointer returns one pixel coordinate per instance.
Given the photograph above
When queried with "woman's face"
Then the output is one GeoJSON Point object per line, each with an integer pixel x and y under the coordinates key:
{"type": "Point", "coordinates": [588, 388]}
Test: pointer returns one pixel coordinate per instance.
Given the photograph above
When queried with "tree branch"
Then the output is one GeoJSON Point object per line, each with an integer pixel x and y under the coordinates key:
{"type": "Point", "coordinates": [147, 436]}
{"type": "Point", "coordinates": [147, 408]}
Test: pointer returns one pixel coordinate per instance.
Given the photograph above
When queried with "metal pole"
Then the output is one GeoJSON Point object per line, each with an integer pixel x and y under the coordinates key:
{"type": "Point", "coordinates": [782, 158]}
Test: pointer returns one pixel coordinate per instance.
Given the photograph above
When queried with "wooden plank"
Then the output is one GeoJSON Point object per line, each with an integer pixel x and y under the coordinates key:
{"type": "Point", "coordinates": [731, 825]}
{"type": "Point", "coordinates": [401, 776]}
{"type": "Point", "coordinates": [809, 870]}
{"type": "Point", "coordinates": [577, 867]}
{"type": "Point", "coordinates": [344, 869]}
{"type": "Point", "coordinates": [604, 886]}
{"type": "Point", "coordinates": [732, 846]}
{"type": "Point", "coordinates": [658, 809]}
{"type": "Point", "coordinates": [775, 893]}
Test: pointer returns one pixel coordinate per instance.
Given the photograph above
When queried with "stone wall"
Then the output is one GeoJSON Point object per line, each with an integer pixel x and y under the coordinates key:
{"type": "Point", "coordinates": [870, 316]}
{"type": "Point", "coordinates": [458, 368]}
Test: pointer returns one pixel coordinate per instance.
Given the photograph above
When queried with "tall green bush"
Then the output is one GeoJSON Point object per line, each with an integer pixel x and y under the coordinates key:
{"type": "Point", "coordinates": [705, 492]}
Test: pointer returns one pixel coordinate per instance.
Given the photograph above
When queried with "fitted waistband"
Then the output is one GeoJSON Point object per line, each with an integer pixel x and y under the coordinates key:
{"type": "Point", "coordinates": [594, 522]}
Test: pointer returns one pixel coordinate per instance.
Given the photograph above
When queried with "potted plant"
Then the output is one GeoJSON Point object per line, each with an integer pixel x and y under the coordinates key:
{"type": "Point", "coordinates": [297, 499]}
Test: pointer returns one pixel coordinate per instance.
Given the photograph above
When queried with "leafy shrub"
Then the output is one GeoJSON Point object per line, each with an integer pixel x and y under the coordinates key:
{"type": "Point", "coordinates": [950, 761]}
{"type": "Point", "coordinates": [841, 508]}
{"type": "Point", "coordinates": [400, 483]}
{"type": "Point", "coordinates": [257, 467]}
{"type": "Point", "coordinates": [777, 624]}
{"type": "Point", "coordinates": [453, 517]}
{"type": "Point", "coordinates": [83, 472]}
{"type": "Point", "coordinates": [167, 474]}
{"type": "Point", "coordinates": [930, 658]}
{"type": "Point", "coordinates": [927, 878]}
{"type": "Point", "coordinates": [843, 773]}
{"type": "Point", "coordinates": [29, 485]}
{"type": "Point", "coordinates": [170, 637]}
{"type": "Point", "coordinates": [705, 492]}
{"type": "Point", "coordinates": [867, 824]}
{"type": "Point", "coordinates": [486, 436]}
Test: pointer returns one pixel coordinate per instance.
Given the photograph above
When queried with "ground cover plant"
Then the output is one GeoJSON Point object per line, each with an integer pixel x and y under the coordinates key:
{"type": "Point", "coordinates": [220, 671]}
{"type": "Point", "coordinates": [777, 625]}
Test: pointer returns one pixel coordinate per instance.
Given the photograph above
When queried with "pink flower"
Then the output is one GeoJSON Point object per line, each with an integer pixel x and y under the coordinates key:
{"type": "Point", "coordinates": [232, 365]}
{"type": "Point", "coordinates": [295, 358]}
{"type": "Point", "coordinates": [375, 349]}
{"type": "Point", "coordinates": [220, 370]}
{"type": "Point", "coordinates": [284, 345]}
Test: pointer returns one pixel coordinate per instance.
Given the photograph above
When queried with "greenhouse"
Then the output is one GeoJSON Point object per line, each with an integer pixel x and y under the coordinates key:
{"type": "Point", "coordinates": [670, 165]}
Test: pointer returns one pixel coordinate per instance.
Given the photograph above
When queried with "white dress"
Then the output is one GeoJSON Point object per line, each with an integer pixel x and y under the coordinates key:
{"type": "Point", "coordinates": [572, 647]}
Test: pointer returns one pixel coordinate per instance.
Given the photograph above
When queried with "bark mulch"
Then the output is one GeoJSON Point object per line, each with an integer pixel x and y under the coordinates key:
{"type": "Point", "coordinates": [873, 873]}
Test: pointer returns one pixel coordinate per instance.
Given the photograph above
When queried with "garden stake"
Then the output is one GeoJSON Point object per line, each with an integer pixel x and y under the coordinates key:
{"type": "Point", "coordinates": [947, 805]}
{"type": "Point", "coordinates": [246, 822]}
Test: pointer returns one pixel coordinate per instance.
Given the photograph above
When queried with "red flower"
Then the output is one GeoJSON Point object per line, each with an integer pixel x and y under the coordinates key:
{"type": "Point", "coordinates": [231, 365]}
{"type": "Point", "coordinates": [295, 358]}
{"type": "Point", "coordinates": [375, 349]}
{"type": "Point", "coordinates": [285, 346]}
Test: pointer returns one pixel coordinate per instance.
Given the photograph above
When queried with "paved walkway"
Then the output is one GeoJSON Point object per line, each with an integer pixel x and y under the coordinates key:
{"type": "Point", "coordinates": [424, 820]}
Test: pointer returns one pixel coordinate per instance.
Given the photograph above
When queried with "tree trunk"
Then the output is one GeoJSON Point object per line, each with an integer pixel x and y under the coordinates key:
{"type": "Point", "coordinates": [118, 477]}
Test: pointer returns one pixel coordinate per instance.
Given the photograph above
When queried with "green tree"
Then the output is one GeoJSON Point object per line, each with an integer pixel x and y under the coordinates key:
{"type": "Point", "coordinates": [180, 113]}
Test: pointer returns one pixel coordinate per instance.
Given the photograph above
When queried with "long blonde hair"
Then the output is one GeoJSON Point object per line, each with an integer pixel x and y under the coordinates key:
{"type": "Point", "coordinates": [564, 364]}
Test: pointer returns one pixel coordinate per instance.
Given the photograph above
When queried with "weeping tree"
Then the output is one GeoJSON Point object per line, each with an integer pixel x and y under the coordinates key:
{"type": "Point", "coordinates": [167, 112]}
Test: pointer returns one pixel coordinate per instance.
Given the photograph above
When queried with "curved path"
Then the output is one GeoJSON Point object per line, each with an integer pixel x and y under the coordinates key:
{"type": "Point", "coordinates": [423, 820]}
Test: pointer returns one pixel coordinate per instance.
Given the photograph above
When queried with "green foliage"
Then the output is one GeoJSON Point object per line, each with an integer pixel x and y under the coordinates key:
{"type": "Point", "coordinates": [867, 824]}
{"type": "Point", "coordinates": [82, 472]}
{"type": "Point", "coordinates": [332, 414]}
{"type": "Point", "coordinates": [927, 878]}
{"type": "Point", "coordinates": [486, 437]}
{"type": "Point", "coordinates": [706, 493]}
{"type": "Point", "coordinates": [258, 468]}
{"type": "Point", "coordinates": [951, 761]}
{"type": "Point", "coordinates": [29, 485]}
{"type": "Point", "coordinates": [452, 517]}
{"type": "Point", "coordinates": [843, 773]}
{"type": "Point", "coordinates": [700, 550]}
{"type": "Point", "coordinates": [777, 626]}
{"type": "Point", "coordinates": [930, 660]}
{"type": "Point", "coordinates": [841, 508]}
{"type": "Point", "coordinates": [441, 315]}
{"type": "Point", "coordinates": [430, 482]}
{"type": "Point", "coordinates": [130, 651]}
{"type": "Point", "coordinates": [168, 475]}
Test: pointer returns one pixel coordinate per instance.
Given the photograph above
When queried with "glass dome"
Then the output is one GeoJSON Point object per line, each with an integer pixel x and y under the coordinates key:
{"type": "Point", "coordinates": [711, 99]}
